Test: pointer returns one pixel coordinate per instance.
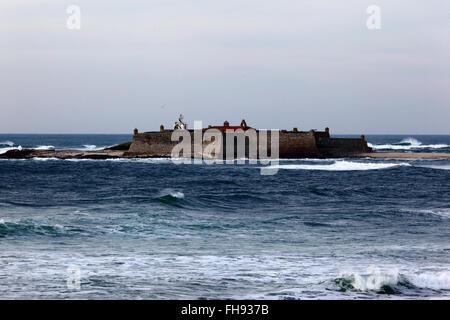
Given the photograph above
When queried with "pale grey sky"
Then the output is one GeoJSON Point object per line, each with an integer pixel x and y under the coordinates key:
{"type": "Point", "coordinates": [278, 64]}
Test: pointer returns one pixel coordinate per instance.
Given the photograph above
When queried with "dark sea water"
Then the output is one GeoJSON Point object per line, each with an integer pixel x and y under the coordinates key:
{"type": "Point", "coordinates": [151, 229]}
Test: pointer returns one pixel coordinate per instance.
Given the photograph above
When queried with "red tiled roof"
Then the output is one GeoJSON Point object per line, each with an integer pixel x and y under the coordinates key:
{"type": "Point", "coordinates": [231, 127]}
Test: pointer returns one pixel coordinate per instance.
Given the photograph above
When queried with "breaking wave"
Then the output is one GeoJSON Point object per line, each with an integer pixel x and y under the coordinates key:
{"type": "Point", "coordinates": [4, 150]}
{"type": "Point", "coordinates": [45, 148]}
{"type": "Point", "coordinates": [27, 228]}
{"type": "Point", "coordinates": [371, 281]}
{"type": "Point", "coordinates": [46, 159]}
{"type": "Point", "coordinates": [172, 194]}
{"type": "Point", "coordinates": [411, 141]}
{"type": "Point", "coordinates": [170, 197]}
{"type": "Point", "coordinates": [91, 147]}
{"type": "Point", "coordinates": [442, 167]}
{"type": "Point", "coordinates": [443, 213]}
{"type": "Point", "coordinates": [407, 144]}
{"type": "Point", "coordinates": [393, 282]}
{"type": "Point", "coordinates": [142, 160]}
{"type": "Point", "coordinates": [128, 160]}
{"type": "Point", "coordinates": [341, 166]}
{"type": "Point", "coordinates": [435, 281]}
{"type": "Point", "coordinates": [7, 143]}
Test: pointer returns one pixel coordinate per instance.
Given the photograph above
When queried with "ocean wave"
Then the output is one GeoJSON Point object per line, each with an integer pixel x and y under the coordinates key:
{"type": "Point", "coordinates": [392, 282]}
{"type": "Point", "coordinates": [171, 194]}
{"type": "Point", "coordinates": [7, 143]}
{"type": "Point", "coordinates": [373, 280]}
{"type": "Point", "coordinates": [118, 160]}
{"type": "Point", "coordinates": [177, 194]}
{"type": "Point", "coordinates": [91, 147]}
{"type": "Point", "coordinates": [431, 280]}
{"type": "Point", "coordinates": [439, 167]}
{"type": "Point", "coordinates": [141, 160]}
{"type": "Point", "coordinates": [407, 144]}
{"type": "Point", "coordinates": [443, 213]}
{"type": "Point", "coordinates": [307, 159]}
{"type": "Point", "coordinates": [4, 150]}
{"type": "Point", "coordinates": [45, 159]}
{"type": "Point", "coordinates": [44, 148]}
{"type": "Point", "coordinates": [170, 197]}
{"type": "Point", "coordinates": [8, 228]}
{"type": "Point", "coordinates": [124, 160]}
{"type": "Point", "coordinates": [411, 141]}
{"type": "Point", "coordinates": [341, 166]}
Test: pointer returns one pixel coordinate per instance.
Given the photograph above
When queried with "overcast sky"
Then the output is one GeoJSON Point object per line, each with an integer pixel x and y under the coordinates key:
{"type": "Point", "coordinates": [276, 63]}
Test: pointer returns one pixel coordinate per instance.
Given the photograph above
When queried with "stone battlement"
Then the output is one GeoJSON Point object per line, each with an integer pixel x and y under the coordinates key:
{"type": "Point", "coordinates": [292, 144]}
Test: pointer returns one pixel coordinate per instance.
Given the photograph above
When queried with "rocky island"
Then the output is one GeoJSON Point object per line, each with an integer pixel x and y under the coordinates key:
{"type": "Point", "coordinates": [293, 144]}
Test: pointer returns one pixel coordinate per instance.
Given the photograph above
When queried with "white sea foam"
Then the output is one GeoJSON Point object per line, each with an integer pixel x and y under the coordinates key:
{"type": "Point", "coordinates": [374, 279]}
{"type": "Point", "coordinates": [4, 150]}
{"type": "Point", "coordinates": [125, 160]}
{"type": "Point", "coordinates": [411, 141]}
{"type": "Point", "coordinates": [80, 160]}
{"type": "Point", "coordinates": [407, 144]}
{"type": "Point", "coordinates": [11, 147]}
{"type": "Point", "coordinates": [402, 147]}
{"type": "Point", "coordinates": [142, 160]}
{"type": "Point", "coordinates": [45, 148]}
{"type": "Point", "coordinates": [341, 166]}
{"type": "Point", "coordinates": [45, 159]}
{"type": "Point", "coordinates": [177, 194]}
{"type": "Point", "coordinates": [309, 159]}
{"type": "Point", "coordinates": [91, 147]}
{"type": "Point", "coordinates": [7, 143]}
{"type": "Point", "coordinates": [431, 280]}
{"type": "Point", "coordinates": [442, 212]}
{"type": "Point", "coordinates": [439, 167]}
{"type": "Point", "coordinates": [172, 193]}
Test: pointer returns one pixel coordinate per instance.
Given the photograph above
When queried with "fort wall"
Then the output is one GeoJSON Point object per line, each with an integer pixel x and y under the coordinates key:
{"type": "Point", "coordinates": [152, 144]}
{"type": "Point", "coordinates": [342, 147]}
{"type": "Point", "coordinates": [292, 144]}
